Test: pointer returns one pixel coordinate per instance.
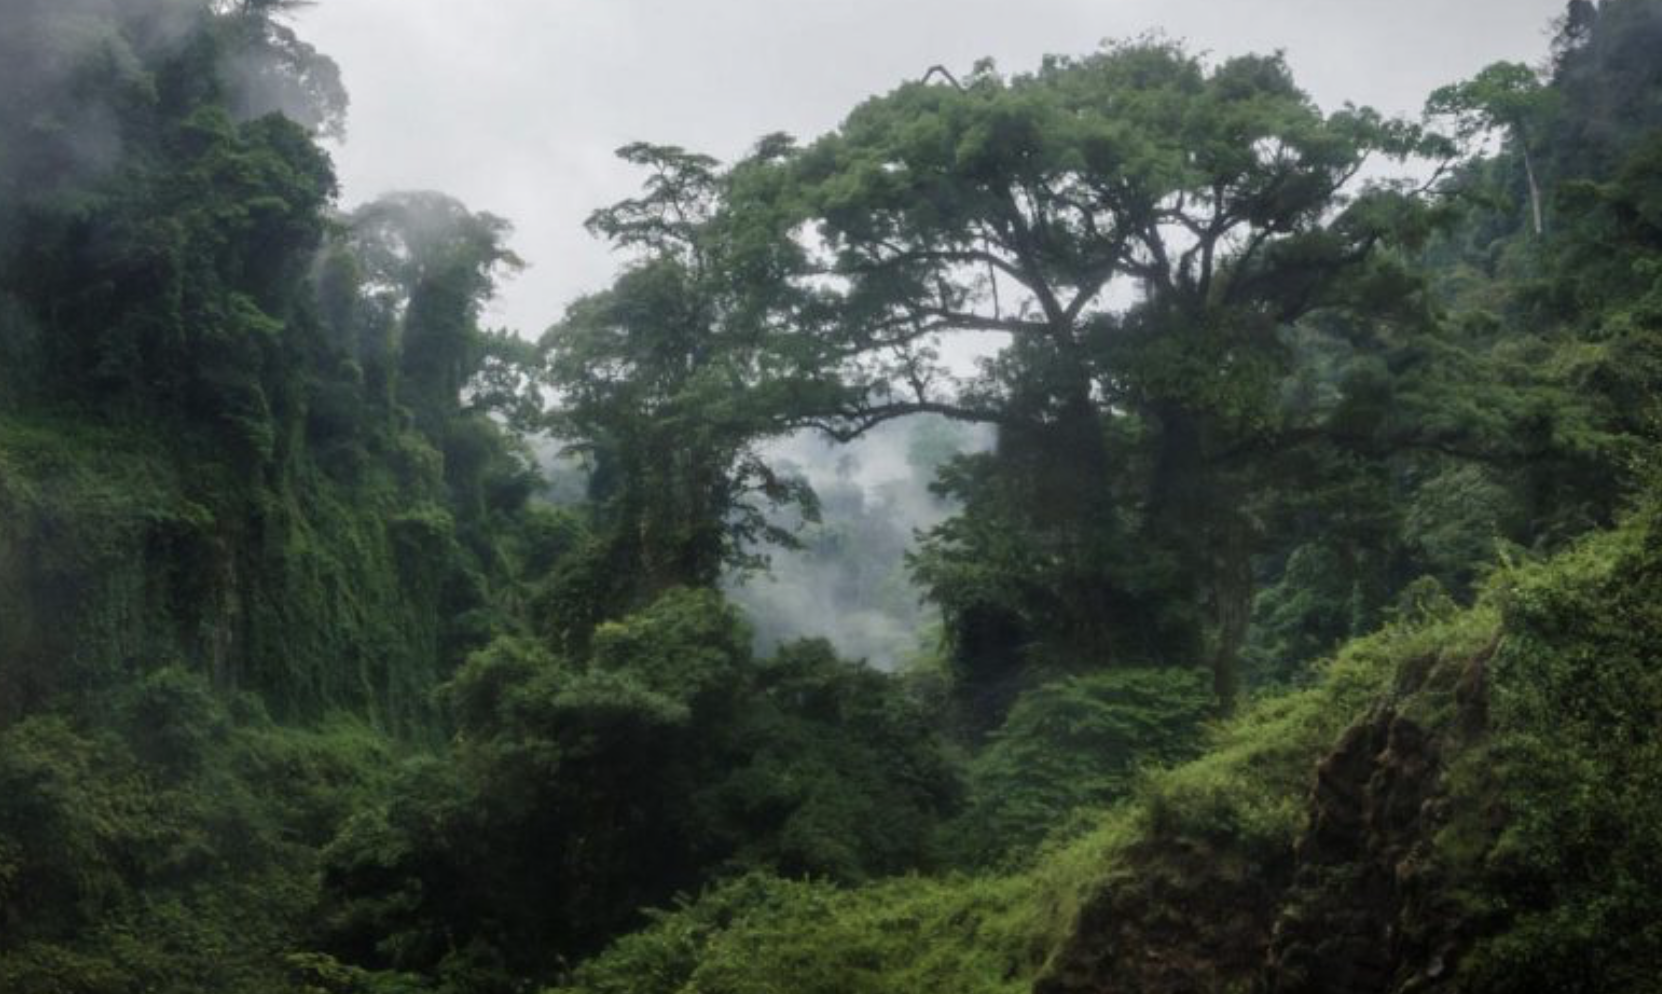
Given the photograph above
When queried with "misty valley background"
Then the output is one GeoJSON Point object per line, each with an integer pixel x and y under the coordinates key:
{"type": "Point", "coordinates": [848, 582]}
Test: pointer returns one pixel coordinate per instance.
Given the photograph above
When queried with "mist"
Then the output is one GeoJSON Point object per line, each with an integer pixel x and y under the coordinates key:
{"type": "Point", "coordinates": [849, 583]}
{"type": "Point", "coordinates": [70, 67]}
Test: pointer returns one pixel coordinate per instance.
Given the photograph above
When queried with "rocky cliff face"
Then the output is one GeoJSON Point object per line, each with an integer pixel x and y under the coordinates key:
{"type": "Point", "coordinates": [1195, 917]}
{"type": "Point", "coordinates": [1368, 911]}
{"type": "Point", "coordinates": [1354, 906]}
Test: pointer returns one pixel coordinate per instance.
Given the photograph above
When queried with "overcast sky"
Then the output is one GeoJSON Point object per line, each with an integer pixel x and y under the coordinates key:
{"type": "Point", "coordinates": [515, 106]}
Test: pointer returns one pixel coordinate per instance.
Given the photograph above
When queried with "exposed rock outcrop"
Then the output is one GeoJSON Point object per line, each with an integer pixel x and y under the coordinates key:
{"type": "Point", "coordinates": [1355, 906]}
{"type": "Point", "coordinates": [1195, 917]}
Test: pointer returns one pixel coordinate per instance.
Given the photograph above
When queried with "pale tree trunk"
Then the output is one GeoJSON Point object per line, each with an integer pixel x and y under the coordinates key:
{"type": "Point", "coordinates": [1534, 194]}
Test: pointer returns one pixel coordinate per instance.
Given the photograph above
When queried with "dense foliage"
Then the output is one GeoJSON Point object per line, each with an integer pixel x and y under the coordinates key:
{"type": "Point", "coordinates": [1294, 629]}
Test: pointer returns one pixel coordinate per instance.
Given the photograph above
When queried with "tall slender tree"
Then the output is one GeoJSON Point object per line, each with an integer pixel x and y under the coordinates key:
{"type": "Point", "coordinates": [669, 380]}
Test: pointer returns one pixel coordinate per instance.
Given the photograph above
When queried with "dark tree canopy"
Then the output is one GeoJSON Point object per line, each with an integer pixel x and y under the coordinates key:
{"type": "Point", "coordinates": [1140, 228]}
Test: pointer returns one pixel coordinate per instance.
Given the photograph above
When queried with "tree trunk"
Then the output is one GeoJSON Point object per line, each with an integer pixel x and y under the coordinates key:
{"type": "Point", "coordinates": [1178, 515]}
{"type": "Point", "coordinates": [1534, 195]}
{"type": "Point", "coordinates": [1231, 606]}
{"type": "Point", "coordinates": [1066, 471]}
{"type": "Point", "coordinates": [1197, 516]}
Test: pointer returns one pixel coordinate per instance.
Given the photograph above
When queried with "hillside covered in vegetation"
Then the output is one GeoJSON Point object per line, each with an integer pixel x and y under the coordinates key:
{"type": "Point", "coordinates": [1290, 571]}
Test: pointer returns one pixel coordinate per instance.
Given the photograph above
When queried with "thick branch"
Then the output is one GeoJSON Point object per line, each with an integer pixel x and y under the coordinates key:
{"type": "Point", "coordinates": [849, 424]}
{"type": "Point", "coordinates": [1027, 252]}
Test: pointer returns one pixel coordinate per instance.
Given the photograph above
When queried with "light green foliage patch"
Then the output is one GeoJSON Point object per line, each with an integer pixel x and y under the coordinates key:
{"type": "Point", "coordinates": [1570, 775]}
{"type": "Point", "coordinates": [1075, 744]}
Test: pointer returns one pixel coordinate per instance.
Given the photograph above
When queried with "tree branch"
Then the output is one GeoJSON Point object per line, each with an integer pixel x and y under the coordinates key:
{"type": "Point", "coordinates": [944, 73]}
{"type": "Point", "coordinates": [849, 424]}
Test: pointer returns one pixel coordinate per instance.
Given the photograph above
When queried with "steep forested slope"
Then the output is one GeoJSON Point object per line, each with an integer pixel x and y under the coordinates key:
{"type": "Point", "coordinates": [224, 496]}
{"type": "Point", "coordinates": [1464, 801]}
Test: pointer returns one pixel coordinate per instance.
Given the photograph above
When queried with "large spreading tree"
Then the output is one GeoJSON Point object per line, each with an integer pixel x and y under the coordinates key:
{"type": "Point", "coordinates": [1141, 229]}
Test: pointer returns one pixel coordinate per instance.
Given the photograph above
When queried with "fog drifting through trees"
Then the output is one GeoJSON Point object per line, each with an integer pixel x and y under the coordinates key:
{"type": "Point", "coordinates": [850, 583]}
